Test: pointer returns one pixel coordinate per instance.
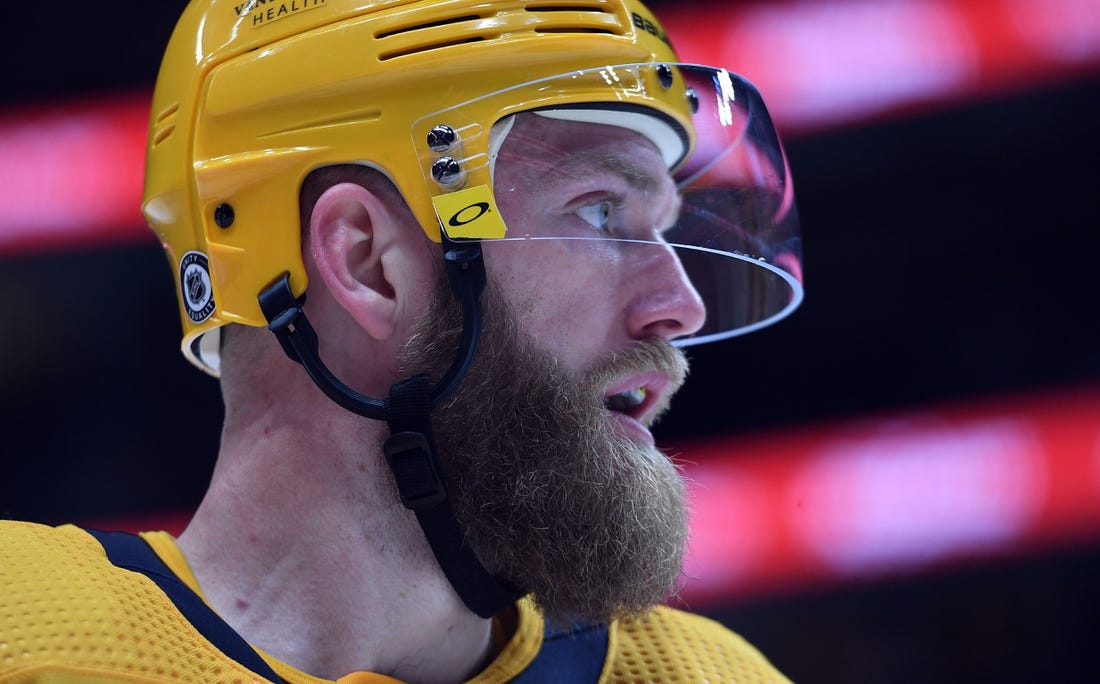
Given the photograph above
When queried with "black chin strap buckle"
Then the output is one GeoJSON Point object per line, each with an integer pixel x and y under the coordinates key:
{"type": "Point", "coordinates": [410, 449]}
{"type": "Point", "coordinates": [413, 464]}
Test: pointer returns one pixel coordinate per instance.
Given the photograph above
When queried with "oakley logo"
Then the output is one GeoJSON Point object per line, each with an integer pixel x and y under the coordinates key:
{"type": "Point", "coordinates": [468, 214]}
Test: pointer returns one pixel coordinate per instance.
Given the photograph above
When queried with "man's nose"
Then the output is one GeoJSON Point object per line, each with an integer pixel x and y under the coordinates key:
{"type": "Point", "coordinates": [664, 303]}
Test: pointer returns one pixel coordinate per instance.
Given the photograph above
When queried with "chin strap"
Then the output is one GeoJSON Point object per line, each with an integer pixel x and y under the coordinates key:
{"type": "Point", "coordinates": [410, 449]}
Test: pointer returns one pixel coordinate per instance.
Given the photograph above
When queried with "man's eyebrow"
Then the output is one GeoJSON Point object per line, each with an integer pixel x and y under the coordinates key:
{"type": "Point", "coordinates": [635, 176]}
{"type": "Point", "coordinates": [590, 162]}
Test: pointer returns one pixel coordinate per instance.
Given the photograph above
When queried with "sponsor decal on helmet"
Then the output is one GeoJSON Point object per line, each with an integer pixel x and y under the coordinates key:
{"type": "Point", "coordinates": [198, 293]}
{"type": "Point", "coordinates": [470, 213]}
{"type": "Point", "coordinates": [264, 12]}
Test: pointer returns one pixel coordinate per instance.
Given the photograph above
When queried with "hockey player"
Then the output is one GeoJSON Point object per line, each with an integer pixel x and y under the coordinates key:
{"type": "Point", "coordinates": [443, 257]}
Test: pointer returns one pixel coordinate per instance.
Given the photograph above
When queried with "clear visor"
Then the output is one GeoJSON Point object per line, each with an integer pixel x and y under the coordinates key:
{"type": "Point", "coordinates": [664, 186]}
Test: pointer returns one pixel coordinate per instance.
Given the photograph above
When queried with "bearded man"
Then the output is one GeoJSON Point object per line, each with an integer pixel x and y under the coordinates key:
{"type": "Point", "coordinates": [436, 469]}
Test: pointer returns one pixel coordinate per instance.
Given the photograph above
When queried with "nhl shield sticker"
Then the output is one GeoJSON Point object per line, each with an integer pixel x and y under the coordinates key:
{"type": "Point", "coordinates": [198, 294]}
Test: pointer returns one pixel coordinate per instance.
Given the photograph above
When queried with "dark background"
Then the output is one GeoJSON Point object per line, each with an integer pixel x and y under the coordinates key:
{"type": "Point", "coordinates": [948, 256]}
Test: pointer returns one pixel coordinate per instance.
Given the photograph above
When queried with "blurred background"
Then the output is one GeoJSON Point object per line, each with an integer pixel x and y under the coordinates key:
{"type": "Point", "coordinates": [900, 483]}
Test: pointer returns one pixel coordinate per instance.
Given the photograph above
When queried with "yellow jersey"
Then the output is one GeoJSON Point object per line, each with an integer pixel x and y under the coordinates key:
{"type": "Point", "coordinates": [75, 609]}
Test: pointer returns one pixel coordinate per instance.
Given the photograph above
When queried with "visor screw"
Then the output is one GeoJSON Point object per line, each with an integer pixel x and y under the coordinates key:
{"type": "Point", "coordinates": [693, 100]}
{"type": "Point", "coordinates": [664, 75]}
{"type": "Point", "coordinates": [224, 216]}
{"type": "Point", "coordinates": [441, 138]}
{"type": "Point", "coordinates": [446, 170]}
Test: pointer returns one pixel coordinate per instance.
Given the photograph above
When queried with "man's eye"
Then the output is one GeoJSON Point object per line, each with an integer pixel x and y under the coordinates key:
{"type": "Point", "coordinates": [597, 215]}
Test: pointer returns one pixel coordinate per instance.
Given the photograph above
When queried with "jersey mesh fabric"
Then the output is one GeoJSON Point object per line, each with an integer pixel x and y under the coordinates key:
{"type": "Point", "coordinates": [67, 614]}
{"type": "Point", "coordinates": [672, 646]}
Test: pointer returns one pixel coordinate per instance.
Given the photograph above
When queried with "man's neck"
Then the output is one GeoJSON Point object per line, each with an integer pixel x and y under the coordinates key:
{"type": "Point", "coordinates": [303, 548]}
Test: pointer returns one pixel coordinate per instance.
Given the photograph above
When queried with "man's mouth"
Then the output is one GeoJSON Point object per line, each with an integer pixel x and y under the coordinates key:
{"type": "Point", "coordinates": [626, 402]}
{"type": "Point", "coordinates": [638, 398]}
{"type": "Point", "coordinates": [635, 401]}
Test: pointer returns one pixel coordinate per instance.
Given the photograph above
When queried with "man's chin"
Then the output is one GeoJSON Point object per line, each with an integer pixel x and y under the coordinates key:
{"type": "Point", "coordinates": [616, 547]}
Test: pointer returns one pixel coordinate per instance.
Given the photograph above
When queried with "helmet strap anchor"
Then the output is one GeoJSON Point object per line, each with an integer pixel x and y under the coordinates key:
{"type": "Point", "coordinates": [410, 449]}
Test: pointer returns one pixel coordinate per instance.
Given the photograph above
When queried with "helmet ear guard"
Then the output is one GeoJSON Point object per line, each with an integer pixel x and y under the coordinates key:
{"type": "Point", "coordinates": [289, 323]}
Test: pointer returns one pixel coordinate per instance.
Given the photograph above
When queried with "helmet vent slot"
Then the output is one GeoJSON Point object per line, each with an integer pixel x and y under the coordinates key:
{"type": "Point", "coordinates": [420, 27]}
{"type": "Point", "coordinates": [445, 38]}
{"type": "Point", "coordinates": [163, 134]}
{"type": "Point", "coordinates": [165, 123]}
{"type": "Point", "coordinates": [556, 16]}
{"type": "Point", "coordinates": [566, 8]}
{"type": "Point", "coordinates": [168, 111]}
{"type": "Point", "coordinates": [575, 30]}
{"type": "Point", "coordinates": [432, 46]}
{"type": "Point", "coordinates": [590, 18]}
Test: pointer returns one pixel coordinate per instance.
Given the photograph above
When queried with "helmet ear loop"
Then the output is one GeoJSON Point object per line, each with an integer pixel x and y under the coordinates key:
{"type": "Point", "coordinates": [292, 328]}
{"type": "Point", "coordinates": [287, 320]}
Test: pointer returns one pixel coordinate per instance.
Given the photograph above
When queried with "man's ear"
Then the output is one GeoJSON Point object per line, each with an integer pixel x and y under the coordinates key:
{"type": "Point", "coordinates": [350, 231]}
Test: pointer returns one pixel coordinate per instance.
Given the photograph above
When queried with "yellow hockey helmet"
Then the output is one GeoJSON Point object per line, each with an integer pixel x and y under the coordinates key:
{"type": "Point", "coordinates": [254, 94]}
